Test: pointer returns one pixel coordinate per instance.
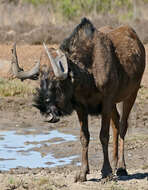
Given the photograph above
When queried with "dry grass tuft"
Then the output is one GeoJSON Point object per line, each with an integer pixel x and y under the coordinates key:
{"type": "Point", "coordinates": [15, 88]}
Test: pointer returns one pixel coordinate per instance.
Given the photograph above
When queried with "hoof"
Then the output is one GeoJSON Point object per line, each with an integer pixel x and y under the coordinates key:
{"type": "Point", "coordinates": [80, 177]}
{"type": "Point", "coordinates": [121, 172]}
{"type": "Point", "coordinates": [111, 177]}
{"type": "Point", "coordinates": [106, 173]}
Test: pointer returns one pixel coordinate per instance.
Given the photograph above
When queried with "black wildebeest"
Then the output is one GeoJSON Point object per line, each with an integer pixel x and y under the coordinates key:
{"type": "Point", "coordinates": [91, 72]}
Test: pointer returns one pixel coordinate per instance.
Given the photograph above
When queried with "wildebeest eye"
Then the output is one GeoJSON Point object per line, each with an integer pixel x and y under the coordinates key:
{"type": "Point", "coordinates": [47, 100]}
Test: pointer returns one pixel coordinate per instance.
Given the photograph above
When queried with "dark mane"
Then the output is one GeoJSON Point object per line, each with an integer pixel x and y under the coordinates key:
{"type": "Point", "coordinates": [78, 46]}
{"type": "Point", "coordinates": [84, 30]}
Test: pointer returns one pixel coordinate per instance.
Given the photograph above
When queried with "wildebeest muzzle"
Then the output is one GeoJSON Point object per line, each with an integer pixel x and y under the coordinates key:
{"type": "Point", "coordinates": [52, 115]}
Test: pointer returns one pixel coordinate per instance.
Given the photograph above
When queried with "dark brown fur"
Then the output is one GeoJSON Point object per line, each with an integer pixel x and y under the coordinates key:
{"type": "Point", "coordinates": [105, 67]}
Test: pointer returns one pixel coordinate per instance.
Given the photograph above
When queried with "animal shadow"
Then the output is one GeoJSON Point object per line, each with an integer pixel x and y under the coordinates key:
{"type": "Point", "coordinates": [123, 178]}
{"type": "Point", "coordinates": [133, 176]}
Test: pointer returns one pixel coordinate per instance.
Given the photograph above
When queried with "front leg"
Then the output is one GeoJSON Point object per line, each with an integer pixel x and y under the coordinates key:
{"type": "Point", "coordinates": [84, 138]}
{"type": "Point", "coordinates": [104, 138]}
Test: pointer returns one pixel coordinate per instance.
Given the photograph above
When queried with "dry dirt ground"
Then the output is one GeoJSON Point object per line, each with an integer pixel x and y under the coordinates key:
{"type": "Point", "coordinates": [18, 114]}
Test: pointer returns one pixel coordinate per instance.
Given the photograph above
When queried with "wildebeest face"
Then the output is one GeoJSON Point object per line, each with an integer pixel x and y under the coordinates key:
{"type": "Point", "coordinates": [47, 99]}
{"type": "Point", "coordinates": [53, 99]}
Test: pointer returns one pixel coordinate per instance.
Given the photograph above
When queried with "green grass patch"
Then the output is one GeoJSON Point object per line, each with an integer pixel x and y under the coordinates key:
{"type": "Point", "coordinates": [36, 2]}
{"type": "Point", "coordinates": [70, 9]}
{"type": "Point", "coordinates": [11, 180]}
{"type": "Point", "coordinates": [145, 167]}
{"type": "Point", "coordinates": [15, 88]}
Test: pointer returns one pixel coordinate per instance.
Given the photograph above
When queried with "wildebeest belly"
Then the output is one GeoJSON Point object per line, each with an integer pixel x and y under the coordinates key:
{"type": "Point", "coordinates": [126, 91]}
{"type": "Point", "coordinates": [94, 109]}
{"type": "Point", "coordinates": [90, 101]}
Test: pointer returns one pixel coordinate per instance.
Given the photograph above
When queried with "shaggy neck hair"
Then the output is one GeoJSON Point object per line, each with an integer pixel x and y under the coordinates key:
{"type": "Point", "coordinates": [78, 46]}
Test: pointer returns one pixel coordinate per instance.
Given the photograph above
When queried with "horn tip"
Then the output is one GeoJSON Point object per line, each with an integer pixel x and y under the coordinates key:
{"type": "Point", "coordinates": [14, 47]}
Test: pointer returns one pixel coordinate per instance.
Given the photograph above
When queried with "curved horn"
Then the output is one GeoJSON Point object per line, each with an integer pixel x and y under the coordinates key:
{"type": "Point", "coordinates": [19, 72]}
{"type": "Point", "coordinates": [59, 64]}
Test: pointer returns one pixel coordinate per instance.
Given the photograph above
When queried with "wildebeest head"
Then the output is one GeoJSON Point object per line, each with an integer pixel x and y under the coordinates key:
{"type": "Point", "coordinates": [53, 96]}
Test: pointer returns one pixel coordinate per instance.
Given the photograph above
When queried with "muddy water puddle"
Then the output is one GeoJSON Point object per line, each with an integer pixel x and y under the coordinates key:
{"type": "Point", "coordinates": [18, 150]}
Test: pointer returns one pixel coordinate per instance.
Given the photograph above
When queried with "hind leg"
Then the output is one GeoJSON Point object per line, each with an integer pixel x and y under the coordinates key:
{"type": "Point", "coordinates": [126, 108]}
{"type": "Point", "coordinates": [115, 126]}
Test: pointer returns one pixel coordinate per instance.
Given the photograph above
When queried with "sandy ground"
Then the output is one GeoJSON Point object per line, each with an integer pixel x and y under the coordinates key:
{"type": "Point", "coordinates": [18, 114]}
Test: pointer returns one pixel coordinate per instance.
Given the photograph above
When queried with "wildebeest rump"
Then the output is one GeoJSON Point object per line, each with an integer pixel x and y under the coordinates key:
{"type": "Point", "coordinates": [91, 72]}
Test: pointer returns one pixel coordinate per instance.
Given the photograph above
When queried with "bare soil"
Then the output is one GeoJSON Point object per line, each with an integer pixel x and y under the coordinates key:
{"type": "Point", "coordinates": [18, 114]}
